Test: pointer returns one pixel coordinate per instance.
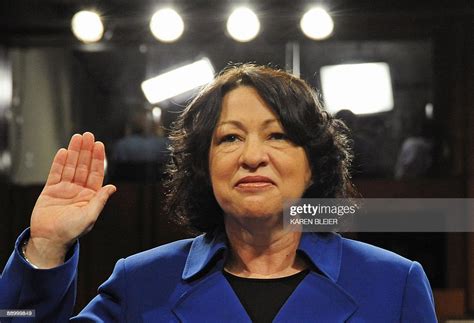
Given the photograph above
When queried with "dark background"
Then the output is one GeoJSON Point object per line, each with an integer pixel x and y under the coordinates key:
{"type": "Point", "coordinates": [429, 46]}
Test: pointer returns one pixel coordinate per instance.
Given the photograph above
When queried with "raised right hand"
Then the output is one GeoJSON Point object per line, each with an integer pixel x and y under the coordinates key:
{"type": "Point", "coordinates": [70, 202]}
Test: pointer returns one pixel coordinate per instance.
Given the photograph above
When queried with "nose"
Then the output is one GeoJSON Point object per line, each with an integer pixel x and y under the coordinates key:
{"type": "Point", "coordinates": [254, 154]}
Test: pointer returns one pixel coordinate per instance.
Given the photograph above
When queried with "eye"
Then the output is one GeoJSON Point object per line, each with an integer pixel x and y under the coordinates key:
{"type": "Point", "coordinates": [228, 138]}
{"type": "Point", "coordinates": [278, 136]}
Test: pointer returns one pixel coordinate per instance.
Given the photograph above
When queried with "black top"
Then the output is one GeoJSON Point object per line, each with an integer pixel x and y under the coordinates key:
{"type": "Point", "coordinates": [263, 298]}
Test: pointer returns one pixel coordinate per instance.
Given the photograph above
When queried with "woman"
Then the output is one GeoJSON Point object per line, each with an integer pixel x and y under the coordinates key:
{"type": "Point", "coordinates": [252, 139]}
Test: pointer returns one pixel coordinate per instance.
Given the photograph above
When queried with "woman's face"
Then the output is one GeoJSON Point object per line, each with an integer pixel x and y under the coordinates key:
{"type": "Point", "coordinates": [254, 168]}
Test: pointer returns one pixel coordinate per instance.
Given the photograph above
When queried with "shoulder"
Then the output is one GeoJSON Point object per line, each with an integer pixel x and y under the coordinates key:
{"type": "Point", "coordinates": [374, 263]}
{"type": "Point", "coordinates": [361, 252]}
{"type": "Point", "coordinates": [150, 277]}
{"type": "Point", "coordinates": [168, 257]}
{"type": "Point", "coordinates": [397, 285]}
{"type": "Point", "coordinates": [395, 282]}
{"type": "Point", "coordinates": [371, 265]}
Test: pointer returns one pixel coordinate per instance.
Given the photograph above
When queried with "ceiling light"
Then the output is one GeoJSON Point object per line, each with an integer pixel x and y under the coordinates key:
{"type": "Point", "coordinates": [87, 26]}
{"type": "Point", "coordinates": [178, 81]}
{"type": "Point", "coordinates": [243, 24]}
{"type": "Point", "coordinates": [166, 25]}
{"type": "Point", "coordinates": [317, 24]}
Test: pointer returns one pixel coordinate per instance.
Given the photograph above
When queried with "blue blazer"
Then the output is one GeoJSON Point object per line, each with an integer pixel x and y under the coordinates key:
{"type": "Point", "coordinates": [183, 282]}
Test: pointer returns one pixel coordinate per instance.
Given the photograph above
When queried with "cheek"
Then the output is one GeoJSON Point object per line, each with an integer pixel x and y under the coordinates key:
{"type": "Point", "coordinates": [220, 169]}
{"type": "Point", "coordinates": [297, 170]}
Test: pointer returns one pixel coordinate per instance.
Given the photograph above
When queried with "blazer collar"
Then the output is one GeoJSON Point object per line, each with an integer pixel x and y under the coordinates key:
{"type": "Point", "coordinates": [323, 250]}
{"type": "Point", "coordinates": [318, 298]}
{"type": "Point", "coordinates": [204, 249]}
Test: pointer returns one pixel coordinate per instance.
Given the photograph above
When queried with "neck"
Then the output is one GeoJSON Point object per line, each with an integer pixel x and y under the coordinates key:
{"type": "Point", "coordinates": [262, 250]}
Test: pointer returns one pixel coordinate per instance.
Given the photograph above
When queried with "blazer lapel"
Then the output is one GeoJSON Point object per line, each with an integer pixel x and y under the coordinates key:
{"type": "Point", "coordinates": [317, 299]}
{"type": "Point", "coordinates": [211, 300]}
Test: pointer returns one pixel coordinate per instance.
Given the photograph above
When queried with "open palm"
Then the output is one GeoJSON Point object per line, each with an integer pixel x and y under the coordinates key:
{"type": "Point", "coordinates": [73, 196]}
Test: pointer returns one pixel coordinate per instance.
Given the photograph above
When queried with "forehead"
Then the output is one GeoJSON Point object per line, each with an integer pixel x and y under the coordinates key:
{"type": "Point", "coordinates": [244, 102]}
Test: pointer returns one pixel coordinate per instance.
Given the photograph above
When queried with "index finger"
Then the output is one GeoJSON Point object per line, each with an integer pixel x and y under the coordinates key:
{"type": "Point", "coordinates": [56, 170]}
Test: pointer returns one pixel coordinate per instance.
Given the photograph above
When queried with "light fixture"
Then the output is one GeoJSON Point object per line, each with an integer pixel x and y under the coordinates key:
{"type": "Point", "coordinates": [429, 111]}
{"type": "Point", "coordinates": [243, 24]}
{"type": "Point", "coordinates": [362, 88]}
{"type": "Point", "coordinates": [317, 24]}
{"type": "Point", "coordinates": [156, 113]}
{"type": "Point", "coordinates": [166, 25]}
{"type": "Point", "coordinates": [178, 81]}
{"type": "Point", "coordinates": [6, 87]}
{"type": "Point", "coordinates": [87, 26]}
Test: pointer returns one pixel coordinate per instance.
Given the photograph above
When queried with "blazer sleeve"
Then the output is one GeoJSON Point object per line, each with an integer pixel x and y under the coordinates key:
{"type": "Point", "coordinates": [418, 302]}
{"type": "Point", "coordinates": [51, 293]}
{"type": "Point", "coordinates": [110, 303]}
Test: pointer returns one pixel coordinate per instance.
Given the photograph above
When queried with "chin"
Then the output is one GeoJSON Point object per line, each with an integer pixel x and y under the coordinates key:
{"type": "Point", "coordinates": [258, 221]}
{"type": "Point", "coordinates": [253, 207]}
{"type": "Point", "coordinates": [258, 215]}
{"type": "Point", "coordinates": [259, 211]}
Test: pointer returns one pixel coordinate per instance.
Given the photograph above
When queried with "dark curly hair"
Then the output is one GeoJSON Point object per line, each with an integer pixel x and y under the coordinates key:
{"type": "Point", "coordinates": [190, 199]}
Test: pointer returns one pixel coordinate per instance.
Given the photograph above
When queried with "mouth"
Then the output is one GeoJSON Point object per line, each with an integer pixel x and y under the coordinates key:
{"type": "Point", "coordinates": [254, 183]}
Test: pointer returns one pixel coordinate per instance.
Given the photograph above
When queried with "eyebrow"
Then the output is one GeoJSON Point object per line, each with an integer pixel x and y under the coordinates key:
{"type": "Point", "coordinates": [241, 125]}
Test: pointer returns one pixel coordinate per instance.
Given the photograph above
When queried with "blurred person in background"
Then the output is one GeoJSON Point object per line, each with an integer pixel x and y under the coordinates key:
{"type": "Point", "coordinates": [142, 153]}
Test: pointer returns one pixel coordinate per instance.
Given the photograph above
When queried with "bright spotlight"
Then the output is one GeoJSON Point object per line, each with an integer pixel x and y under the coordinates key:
{"type": "Point", "coordinates": [317, 24]}
{"type": "Point", "coordinates": [166, 25]}
{"type": "Point", "coordinates": [362, 88]}
{"type": "Point", "coordinates": [87, 26]}
{"type": "Point", "coordinates": [178, 81]}
{"type": "Point", "coordinates": [243, 24]}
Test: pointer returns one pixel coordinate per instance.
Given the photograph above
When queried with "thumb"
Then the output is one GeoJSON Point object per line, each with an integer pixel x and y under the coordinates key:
{"type": "Point", "coordinates": [97, 203]}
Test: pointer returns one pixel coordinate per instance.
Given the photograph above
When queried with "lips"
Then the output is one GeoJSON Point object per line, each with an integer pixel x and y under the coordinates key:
{"type": "Point", "coordinates": [254, 181]}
